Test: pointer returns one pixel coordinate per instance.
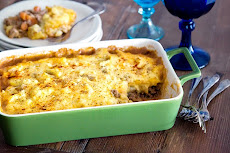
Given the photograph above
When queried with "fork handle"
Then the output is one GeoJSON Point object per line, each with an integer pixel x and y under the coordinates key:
{"type": "Point", "coordinates": [222, 86]}
{"type": "Point", "coordinates": [214, 79]}
{"type": "Point", "coordinates": [204, 98]}
{"type": "Point", "coordinates": [100, 9]}
{"type": "Point", "coordinates": [194, 84]}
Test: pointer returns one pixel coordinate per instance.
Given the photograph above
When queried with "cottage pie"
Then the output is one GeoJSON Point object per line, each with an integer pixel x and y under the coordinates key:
{"type": "Point", "coordinates": [87, 77]}
{"type": "Point", "coordinates": [40, 24]}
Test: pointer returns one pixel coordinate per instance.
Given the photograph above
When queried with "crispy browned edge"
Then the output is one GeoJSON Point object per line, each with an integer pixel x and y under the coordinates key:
{"type": "Point", "coordinates": [64, 52]}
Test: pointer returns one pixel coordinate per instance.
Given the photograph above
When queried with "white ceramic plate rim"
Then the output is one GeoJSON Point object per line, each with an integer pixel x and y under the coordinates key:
{"type": "Point", "coordinates": [10, 46]}
{"type": "Point", "coordinates": [83, 32]}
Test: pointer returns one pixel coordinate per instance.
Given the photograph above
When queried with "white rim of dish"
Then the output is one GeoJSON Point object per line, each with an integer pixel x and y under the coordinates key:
{"type": "Point", "coordinates": [119, 43]}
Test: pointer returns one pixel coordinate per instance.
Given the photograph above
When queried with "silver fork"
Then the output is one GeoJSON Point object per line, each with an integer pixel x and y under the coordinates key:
{"type": "Point", "coordinates": [204, 103]}
{"type": "Point", "coordinates": [211, 82]}
{"type": "Point", "coordinates": [208, 83]}
{"type": "Point", "coordinates": [203, 110]}
{"type": "Point", "coordinates": [202, 115]}
{"type": "Point", "coordinates": [194, 84]}
{"type": "Point", "coordinates": [197, 116]}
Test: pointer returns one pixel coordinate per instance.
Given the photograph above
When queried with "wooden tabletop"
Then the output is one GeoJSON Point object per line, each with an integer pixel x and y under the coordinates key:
{"type": "Point", "coordinates": [212, 33]}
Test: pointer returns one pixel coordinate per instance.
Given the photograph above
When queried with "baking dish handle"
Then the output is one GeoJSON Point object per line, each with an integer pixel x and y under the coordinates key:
{"type": "Point", "coordinates": [196, 71]}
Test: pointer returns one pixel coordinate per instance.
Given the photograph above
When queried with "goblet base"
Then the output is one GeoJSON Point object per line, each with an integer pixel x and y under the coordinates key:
{"type": "Point", "coordinates": [179, 62]}
{"type": "Point", "coordinates": [145, 31]}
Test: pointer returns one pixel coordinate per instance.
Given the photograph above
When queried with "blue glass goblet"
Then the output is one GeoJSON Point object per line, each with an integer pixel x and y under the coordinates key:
{"type": "Point", "coordinates": [146, 28]}
{"type": "Point", "coordinates": [188, 10]}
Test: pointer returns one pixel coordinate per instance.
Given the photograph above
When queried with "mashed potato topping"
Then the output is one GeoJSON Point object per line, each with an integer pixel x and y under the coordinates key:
{"type": "Point", "coordinates": [76, 79]}
{"type": "Point", "coordinates": [54, 23]}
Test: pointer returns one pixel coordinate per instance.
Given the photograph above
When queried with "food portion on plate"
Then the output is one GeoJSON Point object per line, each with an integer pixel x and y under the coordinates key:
{"type": "Point", "coordinates": [67, 79]}
{"type": "Point", "coordinates": [40, 24]}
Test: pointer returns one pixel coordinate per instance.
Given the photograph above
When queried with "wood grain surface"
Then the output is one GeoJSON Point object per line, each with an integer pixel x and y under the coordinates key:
{"type": "Point", "coordinates": [212, 33]}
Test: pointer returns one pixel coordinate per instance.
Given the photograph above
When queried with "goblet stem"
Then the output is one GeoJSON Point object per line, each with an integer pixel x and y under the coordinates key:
{"type": "Point", "coordinates": [186, 26]}
{"type": "Point", "coordinates": [146, 23]}
{"type": "Point", "coordinates": [146, 28]}
{"type": "Point", "coordinates": [146, 13]}
{"type": "Point", "coordinates": [201, 57]}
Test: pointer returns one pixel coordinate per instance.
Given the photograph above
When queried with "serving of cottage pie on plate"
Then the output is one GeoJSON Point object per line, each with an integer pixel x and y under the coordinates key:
{"type": "Point", "coordinates": [37, 20]}
{"type": "Point", "coordinates": [40, 24]}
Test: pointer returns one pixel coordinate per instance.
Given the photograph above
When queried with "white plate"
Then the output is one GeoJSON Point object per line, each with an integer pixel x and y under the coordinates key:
{"type": "Point", "coordinates": [83, 32]}
{"type": "Point", "coordinates": [7, 46]}
{"type": "Point", "coordinates": [98, 37]}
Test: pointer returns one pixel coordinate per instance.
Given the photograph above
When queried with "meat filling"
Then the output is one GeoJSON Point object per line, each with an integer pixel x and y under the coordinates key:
{"type": "Point", "coordinates": [115, 93]}
{"type": "Point", "coordinates": [153, 93]}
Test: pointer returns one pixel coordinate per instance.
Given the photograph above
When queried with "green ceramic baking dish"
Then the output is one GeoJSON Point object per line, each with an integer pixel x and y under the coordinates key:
{"type": "Point", "coordinates": [101, 121]}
